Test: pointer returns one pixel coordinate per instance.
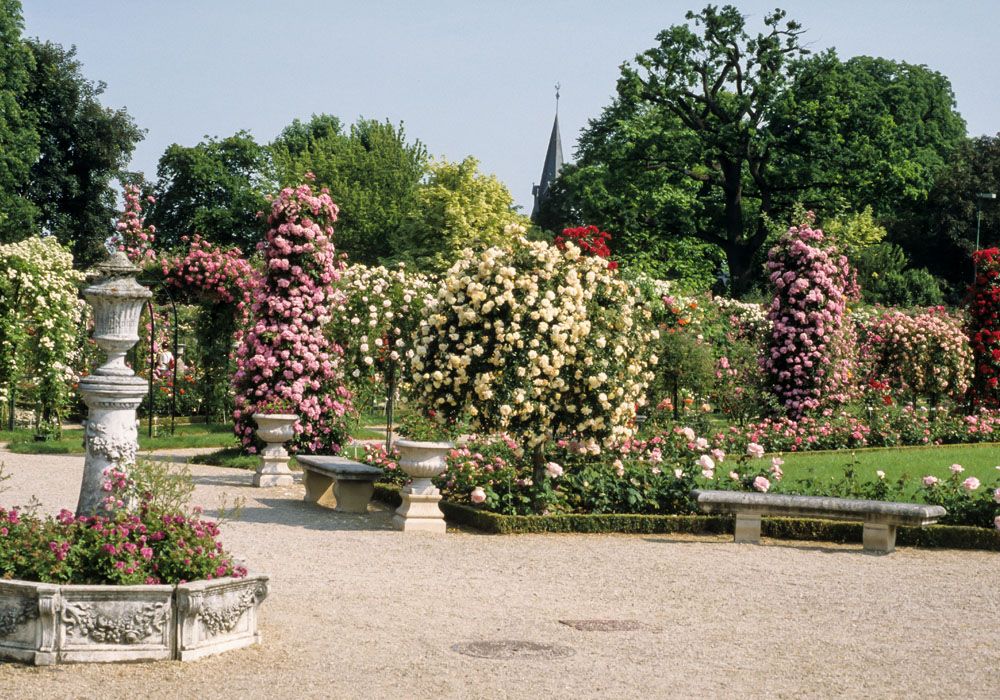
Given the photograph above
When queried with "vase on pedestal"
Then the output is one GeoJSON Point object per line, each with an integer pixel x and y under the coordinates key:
{"type": "Point", "coordinates": [275, 429]}
{"type": "Point", "coordinates": [421, 461]}
{"type": "Point", "coordinates": [112, 392]}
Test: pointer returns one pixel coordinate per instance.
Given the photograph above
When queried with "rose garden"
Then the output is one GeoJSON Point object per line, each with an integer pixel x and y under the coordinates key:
{"type": "Point", "coordinates": [498, 451]}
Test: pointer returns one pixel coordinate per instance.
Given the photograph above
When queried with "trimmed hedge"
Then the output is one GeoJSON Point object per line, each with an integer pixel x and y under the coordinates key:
{"type": "Point", "coordinates": [947, 536]}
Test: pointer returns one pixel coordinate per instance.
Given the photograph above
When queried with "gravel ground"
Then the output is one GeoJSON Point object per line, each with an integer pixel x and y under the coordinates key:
{"type": "Point", "coordinates": [359, 610]}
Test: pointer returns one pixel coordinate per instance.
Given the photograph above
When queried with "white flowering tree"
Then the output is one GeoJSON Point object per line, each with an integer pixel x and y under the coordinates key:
{"type": "Point", "coordinates": [376, 327]}
{"type": "Point", "coordinates": [537, 342]}
{"type": "Point", "coordinates": [40, 313]}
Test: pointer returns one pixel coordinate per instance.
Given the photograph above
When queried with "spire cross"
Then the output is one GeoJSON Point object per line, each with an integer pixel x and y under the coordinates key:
{"type": "Point", "coordinates": [557, 97]}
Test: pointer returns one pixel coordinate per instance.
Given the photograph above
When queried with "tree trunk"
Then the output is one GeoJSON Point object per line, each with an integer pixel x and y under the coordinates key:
{"type": "Point", "coordinates": [538, 477]}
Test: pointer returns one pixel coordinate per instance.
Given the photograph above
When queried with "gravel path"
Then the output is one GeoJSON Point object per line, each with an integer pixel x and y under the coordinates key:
{"type": "Point", "coordinates": [359, 610]}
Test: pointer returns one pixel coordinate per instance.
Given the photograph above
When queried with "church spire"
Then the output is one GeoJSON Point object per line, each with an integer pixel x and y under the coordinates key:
{"type": "Point", "coordinates": [553, 164]}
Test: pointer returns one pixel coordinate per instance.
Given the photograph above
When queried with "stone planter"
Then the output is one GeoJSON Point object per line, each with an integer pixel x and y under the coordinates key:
{"type": "Point", "coordinates": [275, 429]}
{"type": "Point", "coordinates": [421, 461]}
{"type": "Point", "coordinates": [45, 623]}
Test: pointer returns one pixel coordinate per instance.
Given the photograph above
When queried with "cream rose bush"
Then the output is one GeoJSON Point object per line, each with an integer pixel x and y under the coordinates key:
{"type": "Point", "coordinates": [536, 342]}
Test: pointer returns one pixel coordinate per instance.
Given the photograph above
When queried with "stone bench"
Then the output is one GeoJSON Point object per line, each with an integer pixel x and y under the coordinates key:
{"type": "Point", "coordinates": [880, 518]}
{"type": "Point", "coordinates": [339, 482]}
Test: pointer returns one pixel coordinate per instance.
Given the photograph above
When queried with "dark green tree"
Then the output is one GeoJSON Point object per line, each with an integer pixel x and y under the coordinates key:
{"type": "Point", "coordinates": [215, 189]}
{"type": "Point", "coordinates": [372, 173]}
{"type": "Point", "coordinates": [84, 146]}
{"type": "Point", "coordinates": [716, 133]}
{"type": "Point", "coordinates": [18, 138]}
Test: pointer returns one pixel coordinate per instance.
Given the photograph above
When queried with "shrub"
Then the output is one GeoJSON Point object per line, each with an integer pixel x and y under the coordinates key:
{"type": "Point", "coordinates": [984, 327]}
{"type": "Point", "coordinates": [808, 358]}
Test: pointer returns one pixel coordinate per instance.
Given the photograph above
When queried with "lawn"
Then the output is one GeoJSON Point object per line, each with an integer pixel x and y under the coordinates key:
{"type": "Point", "coordinates": [979, 460]}
{"type": "Point", "coordinates": [71, 441]}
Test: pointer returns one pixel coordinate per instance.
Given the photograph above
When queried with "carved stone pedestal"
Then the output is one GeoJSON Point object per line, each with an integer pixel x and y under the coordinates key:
{"type": "Point", "coordinates": [421, 461]}
{"type": "Point", "coordinates": [275, 429]}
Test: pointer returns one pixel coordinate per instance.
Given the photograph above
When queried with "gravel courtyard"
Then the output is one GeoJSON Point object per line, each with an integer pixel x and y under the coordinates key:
{"type": "Point", "coordinates": [357, 609]}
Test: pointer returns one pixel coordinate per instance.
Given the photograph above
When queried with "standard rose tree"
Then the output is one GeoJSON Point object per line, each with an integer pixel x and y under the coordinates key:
{"type": "Point", "coordinates": [537, 342]}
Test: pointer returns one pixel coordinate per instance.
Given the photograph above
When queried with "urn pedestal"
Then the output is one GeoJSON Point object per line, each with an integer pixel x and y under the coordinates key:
{"type": "Point", "coordinates": [275, 429]}
{"type": "Point", "coordinates": [113, 392]}
{"type": "Point", "coordinates": [421, 461]}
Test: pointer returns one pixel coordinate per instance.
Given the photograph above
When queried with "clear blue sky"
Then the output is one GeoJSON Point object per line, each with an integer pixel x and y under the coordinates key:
{"type": "Point", "coordinates": [465, 77]}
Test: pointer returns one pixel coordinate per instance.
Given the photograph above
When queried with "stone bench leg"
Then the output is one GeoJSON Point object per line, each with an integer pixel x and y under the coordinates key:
{"type": "Point", "coordinates": [879, 538]}
{"type": "Point", "coordinates": [353, 496]}
{"type": "Point", "coordinates": [319, 488]}
{"type": "Point", "coordinates": [747, 528]}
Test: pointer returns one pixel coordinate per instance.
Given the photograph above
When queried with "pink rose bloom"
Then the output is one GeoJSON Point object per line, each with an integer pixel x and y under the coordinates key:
{"type": "Point", "coordinates": [553, 470]}
{"type": "Point", "coordinates": [957, 469]}
{"type": "Point", "coordinates": [718, 455]}
{"type": "Point", "coordinates": [996, 522]}
{"type": "Point", "coordinates": [930, 480]}
{"type": "Point", "coordinates": [688, 433]}
{"type": "Point", "coordinates": [996, 495]}
{"type": "Point", "coordinates": [761, 484]}
{"type": "Point", "coordinates": [755, 450]}
{"type": "Point", "coordinates": [776, 462]}
{"type": "Point", "coordinates": [477, 495]}
{"type": "Point", "coordinates": [734, 476]}
{"type": "Point", "coordinates": [970, 484]}
{"type": "Point", "coordinates": [706, 463]}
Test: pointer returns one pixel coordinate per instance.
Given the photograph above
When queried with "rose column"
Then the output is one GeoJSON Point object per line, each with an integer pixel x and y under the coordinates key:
{"type": "Point", "coordinates": [112, 392]}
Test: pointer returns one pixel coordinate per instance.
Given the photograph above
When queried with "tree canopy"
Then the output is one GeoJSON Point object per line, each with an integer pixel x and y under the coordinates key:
{"type": "Point", "coordinates": [372, 173]}
{"type": "Point", "coordinates": [715, 133]}
{"type": "Point", "coordinates": [215, 189]}
{"type": "Point", "coordinates": [18, 137]}
{"type": "Point", "coordinates": [83, 147]}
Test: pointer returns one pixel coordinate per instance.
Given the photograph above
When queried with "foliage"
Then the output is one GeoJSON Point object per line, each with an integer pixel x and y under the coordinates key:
{"type": "Point", "coordinates": [40, 313]}
{"type": "Point", "coordinates": [284, 354]}
{"type": "Point", "coordinates": [808, 356]}
{"type": "Point", "coordinates": [534, 341]}
{"type": "Point", "coordinates": [920, 356]}
{"type": "Point", "coordinates": [83, 147]}
{"type": "Point", "coordinates": [370, 170]}
{"type": "Point", "coordinates": [855, 233]}
{"type": "Point", "coordinates": [19, 147]}
{"type": "Point", "coordinates": [157, 542]}
{"type": "Point", "coordinates": [715, 131]}
{"type": "Point", "coordinates": [215, 188]}
{"type": "Point", "coordinates": [886, 278]}
{"type": "Point", "coordinates": [457, 208]}
{"type": "Point", "coordinates": [984, 327]}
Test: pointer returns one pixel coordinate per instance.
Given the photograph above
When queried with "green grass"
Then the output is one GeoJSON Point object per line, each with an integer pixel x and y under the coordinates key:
{"type": "Point", "coordinates": [979, 461]}
{"type": "Point", "coordinates": [71, 441]}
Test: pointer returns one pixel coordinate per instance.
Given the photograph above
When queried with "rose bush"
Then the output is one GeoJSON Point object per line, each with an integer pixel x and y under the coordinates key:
{"type": "Point", "coordinates": [284, 354]}
{"type": "Point", "coordinates": [536, 342]}
{"type": "Point", "coordinates": [984, 327]}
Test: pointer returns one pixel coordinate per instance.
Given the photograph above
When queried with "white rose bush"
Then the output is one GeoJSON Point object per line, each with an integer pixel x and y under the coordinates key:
{"type": "Point", "coordinates": [40, 319]}
{"type": "Point", "coordinates": [536, 342]}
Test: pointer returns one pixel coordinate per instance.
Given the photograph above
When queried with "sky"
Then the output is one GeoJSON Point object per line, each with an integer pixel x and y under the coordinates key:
{"type": "Point", "coordinates": [466, 77]}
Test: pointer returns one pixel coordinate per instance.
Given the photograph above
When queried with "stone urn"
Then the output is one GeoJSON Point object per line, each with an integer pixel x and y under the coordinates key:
{"type": "Point", "coordinates": [421, 461]}
{"type": "Point", "coordinates": [275, 429]}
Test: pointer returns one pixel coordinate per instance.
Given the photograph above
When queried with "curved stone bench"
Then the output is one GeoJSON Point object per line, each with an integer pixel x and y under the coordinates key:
{"type": "Point", "coordinates": [880, 518]}
{"type": "Point", "coordinates": [339, 482]}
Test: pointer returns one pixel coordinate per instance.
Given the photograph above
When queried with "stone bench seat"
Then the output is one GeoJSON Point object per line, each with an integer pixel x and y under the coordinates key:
{"type": "Point", "coordinates": [880, 518]}
{"type": "Point", "coordinates": [339, 482]}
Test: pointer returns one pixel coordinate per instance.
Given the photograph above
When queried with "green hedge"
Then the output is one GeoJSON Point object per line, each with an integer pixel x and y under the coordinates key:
{"type": "Point", "coordinates": [948, 536]}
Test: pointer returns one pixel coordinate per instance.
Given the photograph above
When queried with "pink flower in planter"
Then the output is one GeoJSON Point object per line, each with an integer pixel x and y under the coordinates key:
{"type": "Point", "coordinates": [970, 484]}
{"type": "Point", "coordinates": [761, 484]}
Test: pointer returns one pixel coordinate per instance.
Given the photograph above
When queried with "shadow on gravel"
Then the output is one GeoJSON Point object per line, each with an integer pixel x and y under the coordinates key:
{"type": "Point", "coordinates": [235, 479]}
{"type": "Point", "coordinates": [785, 544]}
{"type": "Point", "coordinates": [297, 513]}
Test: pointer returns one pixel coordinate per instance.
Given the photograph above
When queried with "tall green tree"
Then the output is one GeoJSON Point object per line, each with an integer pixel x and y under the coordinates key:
{"type": "Point", "coordinates": [18, 138]}
{"type": "Point", "coordinates": [84, 146]}
{"type": "Point", "coordinates": [715, 133]}
{"type": "Point", "coordinates": [214, 188]}
{"type": "Point", "coordinates": [458, 207]}
{"type": "Point", "coordinates": [372, 173]}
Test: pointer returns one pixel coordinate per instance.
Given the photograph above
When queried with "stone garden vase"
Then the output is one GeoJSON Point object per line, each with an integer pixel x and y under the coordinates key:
{"type": "Point", "coordinates": [275, 429]}
{"type": "Point", "coordinates": [421, 461]}
{"type": "Point", "coordinates": [46, 623]}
